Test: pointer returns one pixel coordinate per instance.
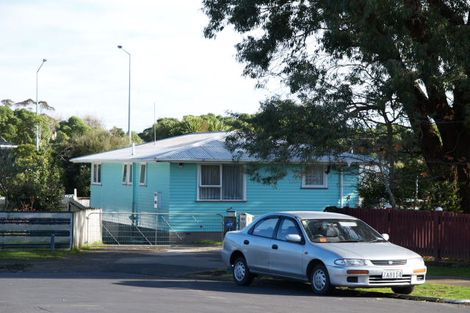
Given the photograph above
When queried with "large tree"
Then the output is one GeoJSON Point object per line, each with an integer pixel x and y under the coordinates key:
{"type": "Point", "coordinates": [368, 60]}
{"type": "Point", "coordinates": [77, 137]}
{"type": "Point", "coordinates": [169, 127]}
{"type": "Point", "coordinates": [30, 180]}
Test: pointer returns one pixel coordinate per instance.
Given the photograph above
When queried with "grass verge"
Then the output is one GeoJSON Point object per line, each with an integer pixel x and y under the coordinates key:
{"type": "Point", "coordinates": [35, 254]}
{"type": "Point", "coordinates": [426, 290]}
{"type": "Point", "coordinates": [208, 243]}
{"type": "Point", "coordinates": [449, 270]}
{"type": "Point", "coordinates": [431, 290]}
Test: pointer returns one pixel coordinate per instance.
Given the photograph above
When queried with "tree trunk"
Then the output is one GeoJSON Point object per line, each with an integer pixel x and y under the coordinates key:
{"type": "Point", "coordinates": [445, 148]}
{"type": "Point", "coordinates": [390, 156]}
{"type": "Point", "coordinates": [463, 176]}
{"type": "Point", "coordinates": [453, 163]}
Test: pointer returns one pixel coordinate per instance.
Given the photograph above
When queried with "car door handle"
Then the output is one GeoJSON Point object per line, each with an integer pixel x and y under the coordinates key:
{"type": "Point", "coordinates": [246, 242]}
{"type": "Point", "coordinates": [274, 247]}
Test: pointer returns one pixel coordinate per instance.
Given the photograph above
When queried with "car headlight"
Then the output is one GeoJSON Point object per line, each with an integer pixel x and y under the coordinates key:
{"type": "Point", "coordinates": [350, 262]}
{"type": "Point", "coordinates": [416, 261]}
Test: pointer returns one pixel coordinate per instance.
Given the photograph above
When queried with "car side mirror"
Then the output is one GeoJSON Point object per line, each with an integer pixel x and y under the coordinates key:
{"type": "Point", "coordinates": [294, 238]}
{"type": "Point", "coordinates": [386, 237]}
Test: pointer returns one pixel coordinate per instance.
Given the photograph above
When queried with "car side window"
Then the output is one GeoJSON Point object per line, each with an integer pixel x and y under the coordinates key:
{"type": "Point", "coordinates": [265, 228]}
{"type": "Point", "coordinates": [288, 226]}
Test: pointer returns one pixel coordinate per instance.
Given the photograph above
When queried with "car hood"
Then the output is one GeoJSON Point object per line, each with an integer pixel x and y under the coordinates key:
{"type": "Point", "coordinates": [370, 251]}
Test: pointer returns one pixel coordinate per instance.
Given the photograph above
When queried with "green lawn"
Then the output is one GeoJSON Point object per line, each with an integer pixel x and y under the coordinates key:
{"type": "Point", "coordinates": [431, 290]}
{"type": "Point", "coordinates": [35, 254]}
{"type": "Point", "coordinates": [208, 243]}
{"type": "Point", "coordinates": [449, 270]}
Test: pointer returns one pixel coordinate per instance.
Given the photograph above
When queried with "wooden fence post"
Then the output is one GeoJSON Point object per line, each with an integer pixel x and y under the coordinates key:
{"type": "Point", "coordinates": [437, 234]}
{"type": "Point", "coordinates": [389, 221]}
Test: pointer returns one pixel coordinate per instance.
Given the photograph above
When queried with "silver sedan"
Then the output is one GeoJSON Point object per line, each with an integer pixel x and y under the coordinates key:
{"type": "Point", "coordinates": [327, 249]}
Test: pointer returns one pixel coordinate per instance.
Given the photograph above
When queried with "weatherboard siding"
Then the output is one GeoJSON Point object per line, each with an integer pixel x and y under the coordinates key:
{"type": "Point", "coordinates": [158, 180]}
{"type": "Point", "coordinates": [350, 185]}
{"type": "Point", "coordinates": [113, 196]}
{"type": "Point", "coordinates": [177, 188]}
{"type": "Point", "coordinates": [288, 194]}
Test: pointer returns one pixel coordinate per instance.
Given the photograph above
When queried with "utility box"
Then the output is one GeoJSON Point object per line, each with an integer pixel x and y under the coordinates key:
{"type": "Point", "coordinates": [245, 220]}
{"type": "Point", "coordinates": [230, 223]}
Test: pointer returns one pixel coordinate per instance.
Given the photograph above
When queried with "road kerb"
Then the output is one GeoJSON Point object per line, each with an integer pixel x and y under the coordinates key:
{"type": "Point", "coordinates": [219, 275]}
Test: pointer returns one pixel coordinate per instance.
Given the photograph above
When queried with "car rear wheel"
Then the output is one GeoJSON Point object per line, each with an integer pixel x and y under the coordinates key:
{"type": "Point", "coordinates": [241, 272]}
{"type": "Point", "coordinates": [321, 281]}
{"type": "Point", "coordinates": [406, 290]}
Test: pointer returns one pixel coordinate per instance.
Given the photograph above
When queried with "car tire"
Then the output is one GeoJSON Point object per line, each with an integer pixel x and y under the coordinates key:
{"type": "Point", "coordinates": [320, 280]}
{"type": "Point", "coordinates": [406, 290]}
{"type": "Point", "coordinates": [241, 272]}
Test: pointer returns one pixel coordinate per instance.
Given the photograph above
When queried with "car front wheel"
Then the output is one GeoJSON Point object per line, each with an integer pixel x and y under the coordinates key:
{"type": "Point", "coordinates": [403, 290]}
{"type": "Point", "coordinates": [321, 281]}
{"type": "Point", "coordinates": [241, 273]}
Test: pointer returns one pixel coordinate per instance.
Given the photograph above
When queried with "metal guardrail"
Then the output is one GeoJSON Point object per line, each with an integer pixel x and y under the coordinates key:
{"type": "Point", "coordinates": [127, 228]}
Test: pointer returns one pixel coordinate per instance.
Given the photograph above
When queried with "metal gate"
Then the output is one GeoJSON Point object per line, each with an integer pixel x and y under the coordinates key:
{"type": "Point", "coordinates": [36, 230]}
{"type": "Point", "coordinates": [127, 228]}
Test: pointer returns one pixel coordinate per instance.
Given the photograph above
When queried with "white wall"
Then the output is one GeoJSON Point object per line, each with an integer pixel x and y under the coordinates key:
{"type": "Point", "coordinates": [86, 227]}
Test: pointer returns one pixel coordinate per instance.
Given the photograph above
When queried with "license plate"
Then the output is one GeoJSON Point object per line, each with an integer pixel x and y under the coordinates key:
{"type": "Point", "coordinates": [392, 274]}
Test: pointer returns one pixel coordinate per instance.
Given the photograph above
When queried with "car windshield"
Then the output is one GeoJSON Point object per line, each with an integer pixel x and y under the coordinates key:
{"type": "Point", "coordinates": [340, 230]}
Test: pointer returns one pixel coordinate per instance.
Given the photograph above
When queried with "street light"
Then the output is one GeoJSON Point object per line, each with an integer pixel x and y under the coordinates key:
{"type": "Point", "coordinates": [129, 99]}
{"type": "Point", "coordinates": [37, 104]}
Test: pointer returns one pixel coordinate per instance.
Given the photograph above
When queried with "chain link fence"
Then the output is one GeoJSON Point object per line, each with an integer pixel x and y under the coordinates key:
{"type": "Point", "coordinates": [127, 228]}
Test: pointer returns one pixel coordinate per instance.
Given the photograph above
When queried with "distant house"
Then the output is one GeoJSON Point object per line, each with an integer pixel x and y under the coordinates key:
{"type": "Point", "coordinates": [196, 173]}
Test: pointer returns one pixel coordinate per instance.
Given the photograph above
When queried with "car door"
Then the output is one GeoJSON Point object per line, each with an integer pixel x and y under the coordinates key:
{"type": "Point", "coordinates": [257, 245]}
{"type": "Point", "coordinates": [286, 258]}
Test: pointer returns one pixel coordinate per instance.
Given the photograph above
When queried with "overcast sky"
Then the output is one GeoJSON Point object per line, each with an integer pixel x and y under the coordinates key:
{"type": "Point", "coordinates": [173, 65]}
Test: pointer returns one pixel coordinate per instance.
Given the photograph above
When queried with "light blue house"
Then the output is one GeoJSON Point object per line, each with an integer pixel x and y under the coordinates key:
{"type": "Point", "coordinates": [196, 173]}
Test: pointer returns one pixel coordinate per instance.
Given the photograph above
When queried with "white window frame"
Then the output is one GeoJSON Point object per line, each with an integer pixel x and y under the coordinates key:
{"type": "Point", "coordinates": [94, 180]}
{"type": "Point", "coordinates": [199, 185]}
{"type": "Point", "coordinates": [129, 173]}
{"type": "Point", "coordinates": [145, 174]}
{"type": "Point", "coordinates": [325, 179]}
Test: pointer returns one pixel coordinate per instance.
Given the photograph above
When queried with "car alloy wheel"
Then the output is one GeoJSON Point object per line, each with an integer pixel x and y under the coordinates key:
{"type": "Point", "coordinates": [321, 280]}
{"type": "Point", "coordinates": [241, 273]}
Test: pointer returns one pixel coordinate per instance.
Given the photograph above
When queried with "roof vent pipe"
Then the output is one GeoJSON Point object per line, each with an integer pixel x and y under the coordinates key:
{"type": "Point", "coordinates": [133, 148]}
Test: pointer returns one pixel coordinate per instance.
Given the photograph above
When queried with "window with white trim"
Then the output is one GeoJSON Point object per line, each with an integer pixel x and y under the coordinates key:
{"type": "Point", "coordinates": [315, 177]}
{"type": "Point", "coordinates": [127, 174]}
{"type": "Point", "coordinates": [221, 182]}
{"type": "Point", "coordinates": [96, 173]}
{"type": "Point", "coordinates": [143, 174]}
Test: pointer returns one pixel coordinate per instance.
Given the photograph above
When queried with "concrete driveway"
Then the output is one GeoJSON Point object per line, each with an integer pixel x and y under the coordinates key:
{"type": "Point", "coordinates": [146, 281]}
{"type": "Point", "coordinates": [173, 262]}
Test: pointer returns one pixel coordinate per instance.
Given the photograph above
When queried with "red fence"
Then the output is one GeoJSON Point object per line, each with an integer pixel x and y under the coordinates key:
{"type": "Point", "coordinates": [438, 234]}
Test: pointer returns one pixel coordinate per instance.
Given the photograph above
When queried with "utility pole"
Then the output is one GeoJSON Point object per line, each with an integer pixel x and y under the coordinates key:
{"type": "Point", "coordinates": [37, 104]}
{"type": "Point", "coordinates": [154, 126]}
{"type": "Point", "coordinates": [129, 98]}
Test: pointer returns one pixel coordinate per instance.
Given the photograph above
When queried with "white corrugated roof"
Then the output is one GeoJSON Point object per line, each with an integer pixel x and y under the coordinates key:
{"type": "Point", "coordinates": [201, 147]}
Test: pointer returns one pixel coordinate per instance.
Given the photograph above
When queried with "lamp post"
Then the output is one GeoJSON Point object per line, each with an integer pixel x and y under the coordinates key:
{"type": "Point", "coordinates": [129, 99]}
{"type": "Point", "coordinates": [37, 104]}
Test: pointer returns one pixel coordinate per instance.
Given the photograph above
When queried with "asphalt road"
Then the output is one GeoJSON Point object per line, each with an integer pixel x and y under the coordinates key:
{"type": "Point", "coordinates": [151, 282]}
